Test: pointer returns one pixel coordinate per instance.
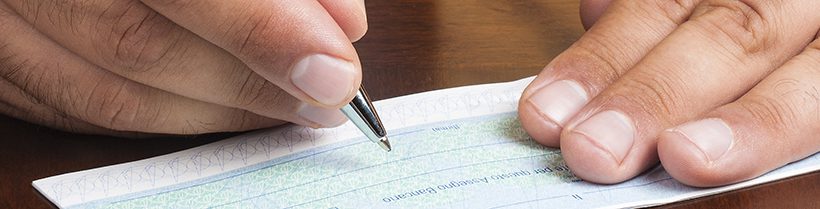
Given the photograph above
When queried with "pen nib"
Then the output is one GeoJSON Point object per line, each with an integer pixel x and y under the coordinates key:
{"type": "Point", "coordinates": [385, 144]}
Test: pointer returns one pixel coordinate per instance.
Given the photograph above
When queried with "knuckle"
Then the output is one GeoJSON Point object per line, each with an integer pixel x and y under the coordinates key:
{"type": "Point", "coordinates": [765, 110]}
{"type": "Point", "coordinates": [782, 110]}
{"type": "Point", "coordinates": [34, 81]}
{"type": "Point", "coordinates": [258, 95]}
{"type": "Point", "coordinates": [139, 39]}
{"type": "Point", "coordinates": [251, 41]}
{"type": "Point", "coordinates": [655, 12]}
{"type": "Point", "coordinates": [659, 96]}
{"type": "Point", "coordinates": [608, 52]}
{"type": "Point", "coordinates": [123, 107]}
{"type": "Point", "coordinates": [735, 24]}
{"type": "Point", "coordinates": [10, 65]}
{"type": "Point", "coordinates": [251, 91]}
{"type": "Point", "coordinates": [796, 98]}
{"type": "Point", "coordinates": [26, 77]}
{"type": "Point", "coordinates": [675, 10]}
{"type": "Point", "coordinates": [597, 57]}
{"type": "Point", "coordinates": [53, 12]}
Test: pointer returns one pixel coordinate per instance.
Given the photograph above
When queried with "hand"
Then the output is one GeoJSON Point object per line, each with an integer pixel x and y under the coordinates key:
{"type": "Point", "coordinates": [718, 91]}
{"type": "Point", "coordinates": [178, 67]}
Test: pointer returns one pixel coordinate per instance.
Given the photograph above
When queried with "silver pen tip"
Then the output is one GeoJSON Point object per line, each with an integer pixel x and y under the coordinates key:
{"type": "Point", "coordinates": [385, 144]}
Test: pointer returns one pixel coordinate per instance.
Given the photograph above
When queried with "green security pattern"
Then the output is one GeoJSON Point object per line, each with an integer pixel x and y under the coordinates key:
{"type": "Point", "coordinates": [348, 176]}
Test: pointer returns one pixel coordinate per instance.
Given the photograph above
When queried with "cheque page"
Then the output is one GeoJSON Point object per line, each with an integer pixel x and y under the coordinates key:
{"type": "Point", "coordinates": [466, 163]}
{"type": "Point", "coordinates": [457, 148]}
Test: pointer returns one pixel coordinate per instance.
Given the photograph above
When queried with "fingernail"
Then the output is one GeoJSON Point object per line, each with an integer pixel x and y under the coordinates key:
{"type": "Point", "coordinates": [326, 79]}
{"type": "Point", "coordinates": [321, 116]}
{"type": "Point", "coordinates": [712, 136]}
{"type": "Point", "coordinates": [559, 100]}
{"type": "Point", "coordinates": [611, 130]}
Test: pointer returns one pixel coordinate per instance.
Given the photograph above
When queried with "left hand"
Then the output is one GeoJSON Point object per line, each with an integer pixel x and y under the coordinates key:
{"type": "Point", "coordinates": [718, 91]}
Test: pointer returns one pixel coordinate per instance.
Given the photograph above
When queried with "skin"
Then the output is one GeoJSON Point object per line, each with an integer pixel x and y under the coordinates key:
{"type": "Point", "coordinates": [718, 91]}
{"type": "Point", "coordinates": [178, 67]}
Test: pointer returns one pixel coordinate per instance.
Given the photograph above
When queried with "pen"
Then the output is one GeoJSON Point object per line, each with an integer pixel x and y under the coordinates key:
{"type": "Point", "coordinates": [361, 112]}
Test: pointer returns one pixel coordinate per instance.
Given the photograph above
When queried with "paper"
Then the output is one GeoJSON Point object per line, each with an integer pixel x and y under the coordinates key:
{"type": "Point", "coordinates": [454, 148]}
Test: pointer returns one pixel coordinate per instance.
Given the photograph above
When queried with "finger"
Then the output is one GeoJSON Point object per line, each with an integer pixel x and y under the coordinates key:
{"type": "Point", "coordinates": [775, 123]}
{"type": "Point", "coordinates": [132, 40]}
{"type": "Point", "coordinates": [294, 44]}
{"type": "Point", "coordinates": [591, 10]}
{"type": "Point", "coordinates": [721, 52]}
{"type": "Point", "coordinates": [67, 83]}
{"type": "Point", "coordinates": [350, 15]}
{"type": "Point", "coordinates": [17, 103]}
{"type": "Point", "coordinates": [625, 33]}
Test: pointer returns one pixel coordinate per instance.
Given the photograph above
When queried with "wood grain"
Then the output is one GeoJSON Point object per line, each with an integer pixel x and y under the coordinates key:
{"type": "Point", "coordinates": [411, 46]}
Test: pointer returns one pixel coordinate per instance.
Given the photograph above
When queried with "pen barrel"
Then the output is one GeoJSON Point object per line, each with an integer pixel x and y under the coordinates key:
{"type": "Point", "coordinates": [361, 112]}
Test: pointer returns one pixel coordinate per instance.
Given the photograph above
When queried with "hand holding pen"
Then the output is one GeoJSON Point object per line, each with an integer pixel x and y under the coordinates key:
{"type": "Point", "coordinates": [186, 67]}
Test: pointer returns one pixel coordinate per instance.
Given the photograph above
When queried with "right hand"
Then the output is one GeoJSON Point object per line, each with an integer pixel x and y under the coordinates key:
{"type": "Point", "coordinates": [178, 67]}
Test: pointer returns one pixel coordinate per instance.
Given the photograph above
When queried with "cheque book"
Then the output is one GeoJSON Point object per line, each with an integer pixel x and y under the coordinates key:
{"type": "Point", "coordinates": [453, 148]}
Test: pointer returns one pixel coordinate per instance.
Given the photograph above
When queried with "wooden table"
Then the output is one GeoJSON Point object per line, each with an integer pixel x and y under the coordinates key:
{"type": "Point", "coordinates": [412, 46]}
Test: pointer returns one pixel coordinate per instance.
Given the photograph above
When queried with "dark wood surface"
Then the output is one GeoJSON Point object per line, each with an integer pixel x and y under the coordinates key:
{"type": "Point", "coordinates": [412, 46]}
